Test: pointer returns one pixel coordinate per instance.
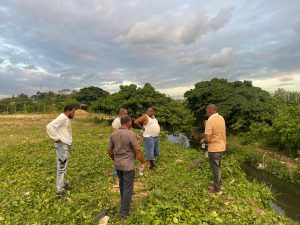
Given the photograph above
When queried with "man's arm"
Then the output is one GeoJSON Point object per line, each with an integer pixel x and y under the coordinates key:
{"type": "Point", "coordinates": [139, 139]}
{"type": "Point", "coordinates": [139, 156]}
{"type": "Point", "coordinates": [207, 133]}
{"type": "Point", "coordinates": [140, 121]}
{"type": "Point", "coordinates": [111, 154]}
{"type": "Point", "coordinates": [206, 139]}
{"type": "Point", "coordinates": [110, 149]}
{"type": "Point", "coordinates": [136, 149]}
{"type": "Point", "coordinates": [52, 126]}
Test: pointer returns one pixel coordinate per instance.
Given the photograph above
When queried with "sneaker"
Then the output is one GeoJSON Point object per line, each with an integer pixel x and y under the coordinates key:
{"type": "Point", "coordinates": [214, 192]}
{"type": "Point", "coordinates": [61, 195]}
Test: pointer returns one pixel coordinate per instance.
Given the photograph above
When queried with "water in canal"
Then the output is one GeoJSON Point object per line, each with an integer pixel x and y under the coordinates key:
{"type": "Point", "coordinates": [287, 194]}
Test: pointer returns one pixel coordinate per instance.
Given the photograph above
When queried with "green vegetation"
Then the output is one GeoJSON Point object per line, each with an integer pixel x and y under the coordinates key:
{"type": "Point", "coordinates": [255, 114]}
{"type": "Point", "coordinates": [239, 102]}
{"type": "Point", "coordinates": [172, 115]}
{"type": "Point", "coordinates": [280, 166]}
{"type": "Point", "coordinates": [46, 102]}
{"type": "Point", "coordinates": [251, 112]}
{"type": "Point", "coordinates": [175, 193]}
{"type": "Point", "coordinates": [90, 94]}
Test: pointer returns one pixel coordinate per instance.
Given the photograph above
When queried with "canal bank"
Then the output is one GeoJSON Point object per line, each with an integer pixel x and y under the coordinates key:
{"type": "Point", "coordinates": [287, 194]}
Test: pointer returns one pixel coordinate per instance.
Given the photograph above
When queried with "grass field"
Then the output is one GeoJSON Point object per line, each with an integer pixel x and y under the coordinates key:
{"type": "Point", "coordinates": [174, 193]}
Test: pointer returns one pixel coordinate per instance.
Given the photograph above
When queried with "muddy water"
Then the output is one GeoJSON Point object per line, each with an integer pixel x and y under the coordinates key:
{"type": "Point", "coordinates": [287, 194]}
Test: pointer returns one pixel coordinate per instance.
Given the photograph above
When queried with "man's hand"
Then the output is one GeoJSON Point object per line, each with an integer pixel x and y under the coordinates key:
{"type": "Point", "coordinates": [142, 167]}
{"type": "Point", "coordinates": [202, 141]}
{"type": "Point", "coordinates": [206, 154]}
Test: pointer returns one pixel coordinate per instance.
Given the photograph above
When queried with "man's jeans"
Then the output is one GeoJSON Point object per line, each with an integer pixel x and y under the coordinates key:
{"type": "Point", "coordinates": [215, 159]}
{"type": "Point", "coordinates": [151, 147]}
{"type": "Point", "coordinates": [126, 180]}
{"type": "Point", "coordinates": [62, 157]}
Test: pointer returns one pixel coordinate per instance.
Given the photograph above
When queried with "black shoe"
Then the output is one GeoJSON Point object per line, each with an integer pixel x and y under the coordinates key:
{"type": "Point", "coordinates": [122, 216]}
{"type": "Point", "coordinates": [68, 187]}
{"type": "Point", "coordinates": [61, 195]}
{"type": "Point", "coordinates": [152, 166]}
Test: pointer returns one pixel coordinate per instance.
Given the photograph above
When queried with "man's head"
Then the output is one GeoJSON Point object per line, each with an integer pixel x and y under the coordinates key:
{"type": "Point", "coordinates": [211, 109]}
{"type": "Point", "coordinates": [150, 111]}
{"type": "Point", "coordinates": [126, 121]}
{"type": "Point", "coordinates": [69, 111]}
{"type": "Point", "coordinates": [123, 112]}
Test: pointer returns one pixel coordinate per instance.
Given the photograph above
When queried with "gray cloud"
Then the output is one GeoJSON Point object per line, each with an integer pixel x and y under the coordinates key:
{"type": "Point", "coordinates": [172, 43]}
{"type": "Point", "coordinates": [201, 25]}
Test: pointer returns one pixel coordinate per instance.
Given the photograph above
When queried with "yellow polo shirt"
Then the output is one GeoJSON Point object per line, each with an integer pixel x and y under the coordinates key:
{"type": "Point", "coordinates": [215, 126]}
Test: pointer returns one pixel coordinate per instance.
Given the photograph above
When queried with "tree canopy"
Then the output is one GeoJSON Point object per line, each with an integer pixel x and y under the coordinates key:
{"type": "Point", "coordinates": [172, 114]}
{"type": "Point", "coordinates": [89, 94]}
{"type": "Point", "coordinates": [239, 102]}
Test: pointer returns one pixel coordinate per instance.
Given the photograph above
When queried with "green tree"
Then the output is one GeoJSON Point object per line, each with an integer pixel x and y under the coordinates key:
{"type": "Point", "coordinates": [172, 114]}
{"type": "Point", "coordinates": [239, 102]}
{"type": "Point", "coordinates": [89, 94]}
{"type": "Point", "coordinates": [284, 133]}
{"type": "Point", "coordinates": [285, 97]}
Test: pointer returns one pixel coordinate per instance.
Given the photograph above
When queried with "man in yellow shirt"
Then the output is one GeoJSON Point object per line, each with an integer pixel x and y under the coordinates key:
{"type": "Point", "coordinates": [215, 138]}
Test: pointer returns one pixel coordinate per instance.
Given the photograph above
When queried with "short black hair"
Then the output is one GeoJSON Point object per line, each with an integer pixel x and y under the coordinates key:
{"type": "Point", "coordinates": [68, 108]}
{"type": "Point", "coordinates": [125, 119]}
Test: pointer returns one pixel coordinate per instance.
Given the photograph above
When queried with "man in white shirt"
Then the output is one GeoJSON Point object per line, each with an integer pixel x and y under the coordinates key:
{"type": "Point", "coordinates": [116, 124]}
{"type": "Point", "coordinates": [151, 129]}
{"type": "Point", "coordinates": [59, 130]}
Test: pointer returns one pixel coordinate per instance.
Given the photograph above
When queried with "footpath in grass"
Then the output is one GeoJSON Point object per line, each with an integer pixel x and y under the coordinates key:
{"type": "Point", "coordinates": [174, 193]}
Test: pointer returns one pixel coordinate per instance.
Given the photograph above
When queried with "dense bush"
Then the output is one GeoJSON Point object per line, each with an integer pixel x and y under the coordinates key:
{"type": "Point", "coordinates": [285, 131]}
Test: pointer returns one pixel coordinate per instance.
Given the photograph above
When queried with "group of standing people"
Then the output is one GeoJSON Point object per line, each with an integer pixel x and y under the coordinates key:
{"type": "Point", "coordinates": [123, 148]}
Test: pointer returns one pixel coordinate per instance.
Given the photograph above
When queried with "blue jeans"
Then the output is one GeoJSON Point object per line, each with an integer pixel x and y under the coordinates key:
{"type": "Point", "coordinates": [151, 147]}
{"type": "Point", "coordinates": [62, 157]}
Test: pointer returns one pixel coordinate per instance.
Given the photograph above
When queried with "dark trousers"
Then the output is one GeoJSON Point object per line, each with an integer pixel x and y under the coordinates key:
{"type": "Point", "coordinates": [126, 180]}
{"type": "Point", "coordinates": [215, 159]}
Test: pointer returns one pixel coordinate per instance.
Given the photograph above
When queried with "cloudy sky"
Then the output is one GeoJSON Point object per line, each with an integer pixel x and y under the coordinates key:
{"type": "Point", "coordinates": [57, 44]}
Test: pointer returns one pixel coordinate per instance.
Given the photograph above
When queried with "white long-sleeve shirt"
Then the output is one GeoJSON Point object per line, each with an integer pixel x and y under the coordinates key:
{"type": "Point", "coordinates": [60, 129]}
